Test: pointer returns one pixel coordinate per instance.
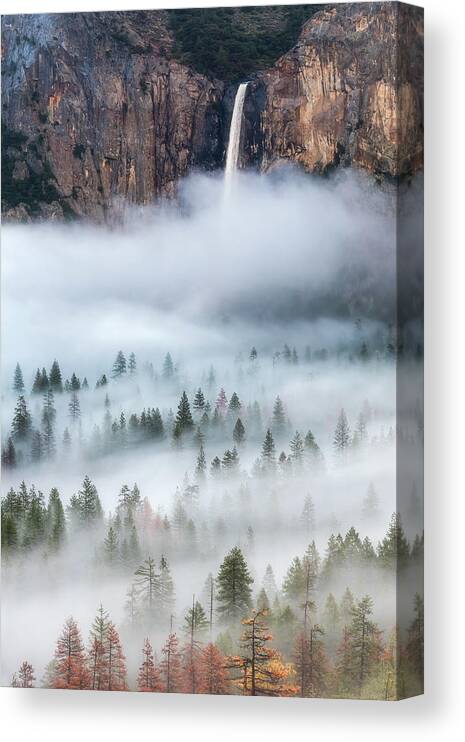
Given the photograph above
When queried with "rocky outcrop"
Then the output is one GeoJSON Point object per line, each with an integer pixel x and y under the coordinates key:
{"type": "Point", "coordinates": [98, 113]}
{"type": "Point", "coordinates": [349, 93]}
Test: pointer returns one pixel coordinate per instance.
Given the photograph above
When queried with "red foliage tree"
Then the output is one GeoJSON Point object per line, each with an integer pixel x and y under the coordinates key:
{"type": "Point", "coordinates": [148, 679]}
{"type": "Point", "coordinates": [212, 674]}
{"type": "Point", "coordinates": [70, 667]}
{"type": "Point", "coordinates": [115, 661]}
{"type": "Point", "coordinates": [170, 666]}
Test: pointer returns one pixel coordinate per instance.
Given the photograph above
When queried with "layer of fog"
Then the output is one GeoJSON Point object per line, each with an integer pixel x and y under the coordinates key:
{"type": "Point", "coordinates": [283, 249]}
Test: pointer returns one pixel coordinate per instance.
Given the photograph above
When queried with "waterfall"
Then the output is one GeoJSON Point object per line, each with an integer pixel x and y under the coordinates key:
{"type": "Point", "coordinates": [232, 156]}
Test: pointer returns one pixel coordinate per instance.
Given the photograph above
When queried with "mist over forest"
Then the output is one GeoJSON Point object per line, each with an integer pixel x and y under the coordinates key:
{"type": "Point", "coordinates": [207, 390]}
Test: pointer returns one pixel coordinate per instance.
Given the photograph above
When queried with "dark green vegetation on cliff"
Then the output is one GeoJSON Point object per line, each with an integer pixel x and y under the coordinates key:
{"type": "Point", "coordinates": [232, 43]}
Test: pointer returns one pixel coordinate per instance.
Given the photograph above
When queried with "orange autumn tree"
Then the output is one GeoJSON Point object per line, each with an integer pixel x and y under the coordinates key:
{"type": "Point", "coordinates": [116, 661]}
{"type": "Point", "coordinates": [70, 667]}
{"type": "Point", "coordinates": [148, 679]}
{"type": "Point", "coordinates": [262, 671]}
{"type": "Point", "coordinates": [212, 674]}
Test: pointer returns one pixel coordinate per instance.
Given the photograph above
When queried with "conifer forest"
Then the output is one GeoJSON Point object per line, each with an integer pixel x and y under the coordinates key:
{"type": "Point", "coordinates": [212, 353]}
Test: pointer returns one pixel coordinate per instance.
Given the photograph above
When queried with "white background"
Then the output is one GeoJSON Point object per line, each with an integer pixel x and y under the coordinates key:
{"type": "Point", "coordinates": [54, 715]}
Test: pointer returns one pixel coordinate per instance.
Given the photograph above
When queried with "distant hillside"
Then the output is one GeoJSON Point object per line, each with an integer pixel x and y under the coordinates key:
{"type": "Point", "coordinates": [232, 43]}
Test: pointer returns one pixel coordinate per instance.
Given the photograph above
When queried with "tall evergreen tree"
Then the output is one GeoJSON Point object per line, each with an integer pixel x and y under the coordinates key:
{"type": "Point", "coordinates": [341, 440]}
{"type": "Point", "coordinates": [119, 366]}
{"type": "Point", "coordinates": [279, 418]}
{"type": "Point", "coordinates": [268, 457]}
{"type": "Point", "coordinates": [18, 381]}
{"type": "Point", "coordinates": [74, 407]}
{"type": "Point", "coordinates": [70, 667]}
{"type": "Point", "coordinates": [363, 647]}
{"type": "Point", "coordinates": [21, 426]}
{"type": "Point", "coordinates": [183, 422]}
{"type": "Point", "coordinates": [394, 550]}
{"type": "Point", "coordinates": [132, 364]}
{"type": "Point", "coordinates": [297, 449]}
{"type": "Point", "coordinates": [234, 593]}
{"type": "Point", "coordinates": [148, 678]}
{"type": "Point", "coordinates": [239, 432]}
{"type": "Point", "coordinates": [56, 521]}
{"type": "Point", "coordinates": [55, 378]}
{"type": "Point", "coordinates": [199, 401]}
{"type": "Point", "coordinates": [168, 367]}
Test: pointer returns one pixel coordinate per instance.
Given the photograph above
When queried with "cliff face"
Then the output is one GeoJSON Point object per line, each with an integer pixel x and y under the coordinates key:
{"type": "Point", "coordinates": [97, 111]}
{"type": "Point", "coordinates": [349, 93]}
{"type": "Point", "coordinates": [102, 113]}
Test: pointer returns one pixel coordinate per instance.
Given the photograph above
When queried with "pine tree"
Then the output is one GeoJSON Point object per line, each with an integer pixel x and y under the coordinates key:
{"type": "Point", "coordinates": [234, 404]}
{"type": "Point", "coordinates": [70, 668]}
{"type": "Point", "coordinates": [215, 467]}
{"type": "Point", "coordinates": [341, 439]}
{"type": "Point", "coordinates": [9, 458]}
{"type": "Point", "coordinates": [416, 640]}
{"type": "Point", "coordinates": [332, 622]}
{"type": "Point", "coordinates": [363, 649]}
{"type": "Point", "coordinates": [25, 677]}
{"type": "Point", "coordinates": [310, 662]}
{"type": "Point", "coordinates": [212, 674]}
{"type": "Point", "coordinates": [48, 422]}
{"type": "Point", "coordinates": [234, 594]}
{"type": "Point", "coordinates": [111, 546]}
{"type": "Point", "coordinates": [239, 432]}
{"type": "Point", "coordinates": [66, 441]}
{"type": "Point", "coordinates": [170, 666]}
{"type": "Point", "coordinates": [279, 418]}
{"type": "Point", "coordinates": [75, 383]}
{"type": "Point", "coordinates": [313, 452]}
{"type": "Point", "coordinates": [119, 366]}
{"type": "Point", "coordinates": [37, 383]}
{"type": "Point", "coordinates": [268, 456]}
{"type": "Point", "coordinates": [18, 381]}
{"type": "Point", "coordinates": [262, 671]}
{"type": "Point", "coordinates": [168, 367]}
{"type": "Point", "coordinates": [56, 521]}
{"type": "Point", "coordinates": [148, 586]}
{"type": "Point", "coordinates": [97, 653]}
{"type": "Point", "coordinates": [394, 550]}
{"type": "Point", "coordinates": [201, 464]}
{"type": "Point", "coordinates": [148, 679]}
{"type": "Point", "coordinates": [132, 364]}
{"type": "Point", "coordinates": [115, 661]}
{"type": "Point", "coordinates": [74, 407]}
{"type": "Point", "coordinates": [199, 401]}
{"type": "Point", "coordinates": [221, 402]}
{"type": "Point", "coordinates": [166, 589]}
{"type": "Point", "coordinates": [346, 607]}
{"type": "Point", "coordinates": [21, 426]}
{"type": "Point", "coordinates": [195, 621]}
{"type": "Point", "coordinates": [55, 379]}
{"type": "Point", "coordinates": [85, 508]}
{"type": "Point", "coordinates": [297, 449]}
{"type": "Point", "coordinates": [183, 422]}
